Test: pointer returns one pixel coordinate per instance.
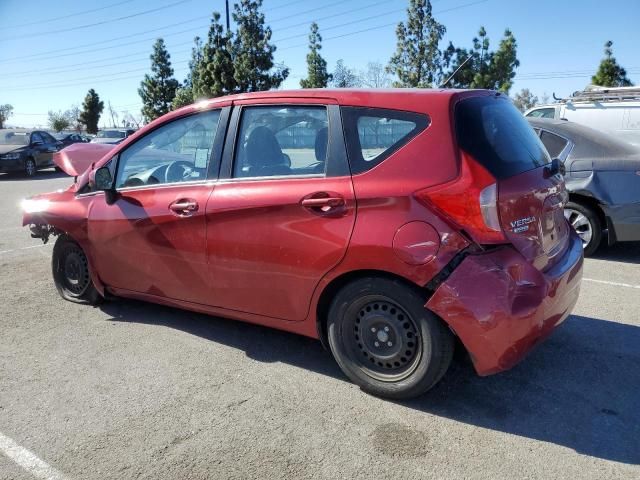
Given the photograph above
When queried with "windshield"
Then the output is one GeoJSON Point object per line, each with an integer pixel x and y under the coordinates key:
{"type": "Point", "coordinates": [11, 137]}
{"type": "Point", "coordinates": [110, 134]}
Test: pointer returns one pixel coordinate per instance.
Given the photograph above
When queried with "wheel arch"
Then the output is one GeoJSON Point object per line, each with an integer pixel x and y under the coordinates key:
{"type": "Point", "coordinates": [595, 205]}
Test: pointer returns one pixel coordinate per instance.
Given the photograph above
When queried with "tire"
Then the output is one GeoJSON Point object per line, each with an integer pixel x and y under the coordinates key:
{"type": "Point", "coordinates": [71, 274]}
{"type": "Point", "coordinates": [30, 167]}
{"type": "Point", "coordinates": [587, 225]}
{"type": "Point", "coordinates": [385, 340]}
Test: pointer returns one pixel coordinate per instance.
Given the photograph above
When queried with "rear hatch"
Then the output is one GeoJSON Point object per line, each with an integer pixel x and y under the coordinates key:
{"type": "Point", "coordinates": [522, 198]}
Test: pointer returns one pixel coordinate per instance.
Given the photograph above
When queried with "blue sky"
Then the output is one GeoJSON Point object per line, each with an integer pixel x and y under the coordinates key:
{"type": "Point", "coordinates": [49, 63]}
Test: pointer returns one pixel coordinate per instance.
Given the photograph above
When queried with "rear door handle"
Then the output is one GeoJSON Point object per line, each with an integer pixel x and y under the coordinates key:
{"type": "Point", "coordinates": [330, 202]}
{"type": "Point", "coordinates": [184, 206]}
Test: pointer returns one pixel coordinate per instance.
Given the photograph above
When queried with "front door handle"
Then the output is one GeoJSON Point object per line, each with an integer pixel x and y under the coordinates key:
{"type": "Point", "coordinates": [184, 206]}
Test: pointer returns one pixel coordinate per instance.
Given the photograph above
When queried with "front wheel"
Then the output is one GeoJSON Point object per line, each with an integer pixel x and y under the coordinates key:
{"type": "Point", "coordinates": [586, 224]}
{"type": "Point", "coordinates": [30, 167]}
{"type": "Point", "coordinates": [386, 341]}
{"type": "Point", "coordinates": [71, 273]}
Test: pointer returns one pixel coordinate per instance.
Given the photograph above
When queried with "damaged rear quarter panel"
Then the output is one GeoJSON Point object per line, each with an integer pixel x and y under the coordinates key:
{"type": "Point", "coordinates": [500, 306]}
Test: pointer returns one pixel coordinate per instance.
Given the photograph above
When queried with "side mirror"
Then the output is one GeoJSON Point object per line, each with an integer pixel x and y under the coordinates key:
{"type": "Point", "coordinates": [104, 181]}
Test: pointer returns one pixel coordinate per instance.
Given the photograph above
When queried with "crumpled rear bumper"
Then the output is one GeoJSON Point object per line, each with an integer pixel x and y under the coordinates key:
{"type": "Point", "coordinates": [500, 306]}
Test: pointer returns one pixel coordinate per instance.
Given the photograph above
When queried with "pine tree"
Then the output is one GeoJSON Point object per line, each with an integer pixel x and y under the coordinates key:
{"type": "Point", "coordinates": [504, 62]}
{"type": "Point", "coordinates": [214, 72]}
{"type": "Point", "coordinates": [317, 76]}
{"type": "Point", "coordinates": [184, 97]}
{"type": "Point", "coordinates": [417, 61]}
{"type": "Point", "coordinates": [158, 90]}
{"type": "Point", "coordinates": [253, 52]}
{"type": "Point", "coordinates": [92, 108]}
{"type": "Point", "coordinates": [609, 73]}
{"type": "Point", "coordinates": [480, 67]}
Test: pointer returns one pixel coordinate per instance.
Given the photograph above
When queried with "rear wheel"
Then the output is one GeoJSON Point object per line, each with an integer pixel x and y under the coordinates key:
{"type": "Point", "coordinates": [30, 168]}
{"type": "Point", "coordinates": [71, 273]}
{"type": "Point", "coordinates": [385, 340]}
{"type": "Point", "coordinates": [586, 224]}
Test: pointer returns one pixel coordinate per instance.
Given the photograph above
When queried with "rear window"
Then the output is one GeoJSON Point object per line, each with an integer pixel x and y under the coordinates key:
{"type": "Point", "coordinates": [496, 134]}
{"type": "Point", "coordinates": [553, 143]}
{"type": "Point", "coordinates": [373, 134]}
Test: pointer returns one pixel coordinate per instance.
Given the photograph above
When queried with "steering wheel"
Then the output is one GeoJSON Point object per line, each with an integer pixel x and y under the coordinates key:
{"type": "Point", "coordinates": [178, 171]}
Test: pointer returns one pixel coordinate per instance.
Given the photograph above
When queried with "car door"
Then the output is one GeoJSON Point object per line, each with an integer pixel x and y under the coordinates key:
{"type": "Point", "coordinates": [282, 214]}
{"type": "Point", "coordinates": [51, 145]}
{"type": "Point", "coordinates": [39, 149]}
{"type": "Point", "coordinates": [152, 238]}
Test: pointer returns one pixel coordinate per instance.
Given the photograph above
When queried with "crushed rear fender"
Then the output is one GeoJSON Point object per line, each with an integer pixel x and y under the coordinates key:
{"type": "Point", "coordinates": [500, 306]}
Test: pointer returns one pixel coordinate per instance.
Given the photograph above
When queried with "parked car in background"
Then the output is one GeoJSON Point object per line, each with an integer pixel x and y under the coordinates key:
{"type": "Point", "coordinates": [615, 111]}
{"type": "Point", "coordinates": [113, 136]}
{"type": "Point", "coordinates": [384, 223]}
{"type": "Point", "coordinates": [603, 180]}
{"type": "Point", "coordinates": [26, 151]}
{"type": "Point", "coordinates": [69, 138]}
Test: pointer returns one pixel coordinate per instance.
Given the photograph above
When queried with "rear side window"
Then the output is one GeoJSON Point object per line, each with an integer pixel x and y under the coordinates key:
{"type": "Point", "coordinates": [496, 134]}
{"type": "Point", "coordinates": [373, 134]}
{"type": "Point", "coordinates": [553, 143]}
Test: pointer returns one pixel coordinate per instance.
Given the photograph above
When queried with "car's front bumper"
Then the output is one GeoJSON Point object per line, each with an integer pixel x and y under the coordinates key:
{"type": "Point", "coordinates": [500, 306]}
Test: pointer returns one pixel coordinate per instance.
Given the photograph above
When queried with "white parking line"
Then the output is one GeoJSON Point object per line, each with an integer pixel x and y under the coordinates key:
{"type": "Point", "coordinates": [28, 461]}
{"type": "Point", "coordinates": [23, 248]}
{"type": "Point", "coordinates": [615, 284]}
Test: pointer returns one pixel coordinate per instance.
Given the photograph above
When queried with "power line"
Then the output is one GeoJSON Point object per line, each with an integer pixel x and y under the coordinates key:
{"type": "Point", "coordinates": [49, 20]}
{"type": "Point", "coordinates": [306, 11]}
{"type": "Point", "coordinates": [333, 27]}
{"type": "Point", "coordinates": [100, 78]}
{"type": "Point", "coordinates": [104, 22]}
{"type": "Point", "coordinates": [74, 49]}
{"type": "Point", "coordinates": [126, 44]}
{"type": "Point", "coordinates": [382, 26]}
{"type": "Point", "coordinates": [280, 29]}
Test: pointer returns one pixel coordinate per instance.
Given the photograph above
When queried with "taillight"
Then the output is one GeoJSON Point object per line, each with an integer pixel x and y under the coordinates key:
{"type": "Point", "coordinates": [470, 201]}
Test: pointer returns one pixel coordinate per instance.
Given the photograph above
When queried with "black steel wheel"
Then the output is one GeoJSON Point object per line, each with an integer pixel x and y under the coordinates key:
{"type": "Point", "coordinates": [385, 340]}
{"type": "Point", "coordinates": [71, 272]}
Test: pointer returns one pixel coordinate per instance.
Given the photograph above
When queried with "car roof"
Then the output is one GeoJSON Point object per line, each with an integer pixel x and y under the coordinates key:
{"type": "Point", "coordinates": [345, 96]}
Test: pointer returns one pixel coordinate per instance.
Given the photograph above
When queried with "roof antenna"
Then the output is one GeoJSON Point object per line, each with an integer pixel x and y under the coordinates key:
{"type": "Point", "coordinates": [454, 73]}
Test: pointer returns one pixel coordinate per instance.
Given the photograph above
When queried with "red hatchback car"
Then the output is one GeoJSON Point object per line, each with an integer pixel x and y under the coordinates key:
{"type": "Point", "coordinates": [384, 223]}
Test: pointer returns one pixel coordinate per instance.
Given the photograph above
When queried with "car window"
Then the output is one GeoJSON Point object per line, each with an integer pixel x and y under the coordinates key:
{"type": "Point", "coordinates": [374, 134]}
{"type": "Point", "coordinates": [542, 113]}
{"type": "Point", "coordinates": [553, 143]}
{"type": "Point", "coordinates": [48, 138]}
{"type": "Point", "coordinates": [178, 151]}
{"type": "Point", "coordinates": [36, 137]}
{"type": "Point", "coordinates": [495, 134]}
{"type": "Point", "coordinates": [281, 140]}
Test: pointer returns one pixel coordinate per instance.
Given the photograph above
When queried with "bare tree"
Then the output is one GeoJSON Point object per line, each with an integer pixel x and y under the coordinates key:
{"type": "Point", "coordinates": [375, 76]}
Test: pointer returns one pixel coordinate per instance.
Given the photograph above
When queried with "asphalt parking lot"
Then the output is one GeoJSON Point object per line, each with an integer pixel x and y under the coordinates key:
{"type": "Point", "coordinates": [132, 390]}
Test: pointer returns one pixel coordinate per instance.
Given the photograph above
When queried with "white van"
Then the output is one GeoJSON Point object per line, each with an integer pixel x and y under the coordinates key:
{"type": "Point", "coordinates": [611, 110]}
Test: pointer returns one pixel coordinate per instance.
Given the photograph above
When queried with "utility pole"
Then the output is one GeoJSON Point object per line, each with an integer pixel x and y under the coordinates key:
{"type": "Point", "coordinates": [227, 9]}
